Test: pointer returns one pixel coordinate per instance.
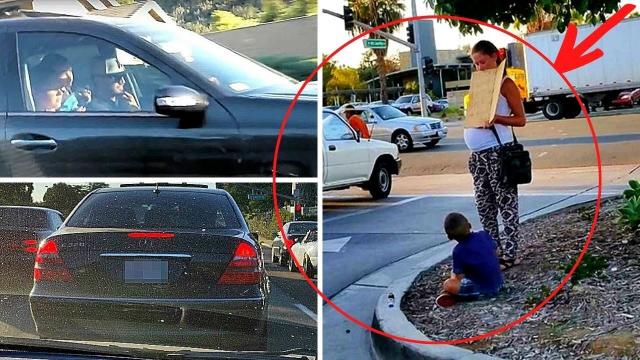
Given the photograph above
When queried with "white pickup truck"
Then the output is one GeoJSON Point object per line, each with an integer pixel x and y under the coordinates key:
{"type": "Point", "coordinates": [351, 161]}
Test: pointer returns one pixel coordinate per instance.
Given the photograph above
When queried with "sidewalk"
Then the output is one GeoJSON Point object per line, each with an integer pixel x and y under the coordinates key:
{"type": "Point", "coordinates": [569, 179]}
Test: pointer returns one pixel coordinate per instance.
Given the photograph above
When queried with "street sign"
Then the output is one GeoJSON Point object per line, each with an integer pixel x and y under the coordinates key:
{"type": "Point", "coordinates": [257, 197]}
{"type": "Point", "coordinates": [375, 43]}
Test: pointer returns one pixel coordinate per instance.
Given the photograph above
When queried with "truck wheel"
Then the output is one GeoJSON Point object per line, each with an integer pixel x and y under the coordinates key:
{"type": "Point", "coordinates": [553, 109]}
{"type": "Point", "coordinates": [380, 181]}
{"type": "Point", "coordinates": [308, 268]}
{"type": "Point", "coordinates": [403, 141]}
{"type": "Point", "coordinates": [292, 265]}
{"type": "Point", "coordinates": [573, 109]}
{"type": "Point", "coordinates": [274, 257]}
{"type": "Point", "coordinates": [282, 260]}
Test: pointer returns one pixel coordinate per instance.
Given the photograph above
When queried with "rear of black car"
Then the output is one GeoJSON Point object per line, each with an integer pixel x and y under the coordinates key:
{"type": "Point", "coordinates": [21, 229]}
{"type": "Point", "coordinates": [164, 265]}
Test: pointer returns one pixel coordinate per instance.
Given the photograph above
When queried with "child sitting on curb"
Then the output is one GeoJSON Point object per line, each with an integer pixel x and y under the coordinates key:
{"type": "Point", "coordinates": [476, 269]}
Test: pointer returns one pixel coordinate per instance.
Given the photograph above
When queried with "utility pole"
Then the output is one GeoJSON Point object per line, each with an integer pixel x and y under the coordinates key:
{"type": "Point", "coordinates": [418, 56]}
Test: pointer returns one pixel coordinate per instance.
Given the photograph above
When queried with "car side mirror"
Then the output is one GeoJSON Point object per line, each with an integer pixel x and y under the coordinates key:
{"type": "Point", "coordinates": [184, 103]}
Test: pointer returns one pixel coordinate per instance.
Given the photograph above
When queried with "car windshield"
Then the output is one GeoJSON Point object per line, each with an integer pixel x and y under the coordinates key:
{"type": "Point", "coordinates": [404, 99]}
{"type": "Point", "coordinates": [166, 210]}
{"type": "Point", "coordinates": [313, 236]}
{"type": "Point", "coordinates": [387, 112]}
{"type": "Point", "coordinates": [35, 219]}
{"type": "Point", "coordinates": [223, 67]}
{"type": "Point", "coordinates": [300, 228]}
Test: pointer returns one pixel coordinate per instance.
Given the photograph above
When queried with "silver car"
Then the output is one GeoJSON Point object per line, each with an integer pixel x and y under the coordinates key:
{"type": "Point", "coordinates": [387, 123]}
{"type": "Point", "coordinates": [410, 104]}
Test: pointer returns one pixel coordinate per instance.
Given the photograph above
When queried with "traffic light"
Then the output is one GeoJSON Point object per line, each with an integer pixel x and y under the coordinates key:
{"type": "Point", "coordinates": [348, 18]}
{"type": "Point", "coordinates": [410, 34]}
{"type": "Point", "coordinates": [298, 211]}
{"type": "Point", "coordinates": [428, 65]}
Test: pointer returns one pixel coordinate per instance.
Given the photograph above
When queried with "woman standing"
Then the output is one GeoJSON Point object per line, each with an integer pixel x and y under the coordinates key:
{"type": "Point", "coordinates": [492, 195]}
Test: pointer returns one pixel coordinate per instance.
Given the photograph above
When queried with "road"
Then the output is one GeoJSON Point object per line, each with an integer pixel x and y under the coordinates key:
{"type": "Point", "coordinates": [358, 250]}
{"type": "Point", "coordinates": [552, 144]}
{"type": "Point", "coordinates": [292, 312]}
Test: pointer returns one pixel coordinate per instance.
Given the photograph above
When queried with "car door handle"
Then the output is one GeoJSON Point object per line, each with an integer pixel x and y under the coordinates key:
{"type": "Point", "coordinates": [332, 148]}
{"type": "Point", "coordinates": [47, 144]}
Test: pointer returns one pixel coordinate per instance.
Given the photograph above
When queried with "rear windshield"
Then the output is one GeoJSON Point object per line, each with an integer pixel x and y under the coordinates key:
{"type": "Point", "coordinates": [166, 210]}
{"type": "Point", "coordinates": [23, 218]}
{"type": "Point", "coordinates": [301, 228]}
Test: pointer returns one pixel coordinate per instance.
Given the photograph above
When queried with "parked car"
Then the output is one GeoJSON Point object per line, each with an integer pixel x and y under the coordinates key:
{"type": "Point", "coordinates": [379, 102]}
{"type": "Point", "coordinates": [627, 98]}
{"type": "Point", "coordinates": [351, 161]}
{"type": "Point", "coordinates": [21, 229]}
{"type": "Point", "coordinates": [389, 124]}
{"type": "Point", "coordinates": [176, 265]}
{"type": "Point", "coordinates": [194, 108]}
{"type": "Point", "coordinates": [443, 102]}
{"type": "Point", "coordinates": [306, 251]}
{"type": "Point", "coordinates": [295, 231]}
{"type": "Point", "coordinates": [410, 104]}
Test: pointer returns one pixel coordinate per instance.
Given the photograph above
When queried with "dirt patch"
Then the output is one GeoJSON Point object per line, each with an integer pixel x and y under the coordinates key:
{"type": "Point", "coordinates": [596, 315]}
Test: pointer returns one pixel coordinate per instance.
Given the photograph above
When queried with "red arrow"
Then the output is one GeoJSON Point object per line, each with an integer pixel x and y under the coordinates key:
{"type": "Point", "coordinates": [571, 57]}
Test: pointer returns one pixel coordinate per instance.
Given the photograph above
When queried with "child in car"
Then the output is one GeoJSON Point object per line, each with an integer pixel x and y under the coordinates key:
{"type": "Point", "coordinates": [476, 269]}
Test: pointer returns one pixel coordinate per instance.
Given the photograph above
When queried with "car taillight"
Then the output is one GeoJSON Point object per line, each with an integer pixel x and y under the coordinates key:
{"type": "Point", "coordinates": [243, 269]}
{"type": "Point", "coordinates": [154, 235]}
{"type": "Point", "coordinates": [31, 246]}
{"type": "Point", "coordinates": [49, 266]}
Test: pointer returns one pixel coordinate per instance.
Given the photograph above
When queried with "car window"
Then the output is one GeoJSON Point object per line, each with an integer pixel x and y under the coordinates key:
{"type": "Point", "coordinates": [367, 115]}
{"type": "Point", "coordinates": [55, 220]}
{"type": "Point", "coordinates": [301, 228]}
{"type": "Point", "coordinates": [23, 218]}
{"type": "Point", "coordinates": [165, 210]}
{"type": "Point", "coordinates": [335, 128]}
{"type": "Point", "coordinates": [64, 72]}
{"type": "Point", "coordinates": [387, 112]}
{"type": "Point", "coordinates": [403, 99]}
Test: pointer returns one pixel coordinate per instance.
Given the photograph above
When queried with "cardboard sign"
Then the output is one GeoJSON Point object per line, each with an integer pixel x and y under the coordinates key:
{"type": "Point", "coordinates": [483, 96]}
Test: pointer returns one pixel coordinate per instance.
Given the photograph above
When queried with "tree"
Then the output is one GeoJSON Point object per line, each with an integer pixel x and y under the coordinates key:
{"type": "Point", "coordinates": [298, 8]}
{"type": "Point", "coordinates": [344, 78]}
{"type": "Point", "coordinates": [272, 10]}
{"type": "Point", "coordinates": [507, 12]}
{"type": "Point", "coordinates": [374, 13]}
{"type": "Point", "coordinates": [17, 194]}
{"type": "Point", "coordinates": [64, 197]}
{"type": "Point", "coordinates": [327, 69]}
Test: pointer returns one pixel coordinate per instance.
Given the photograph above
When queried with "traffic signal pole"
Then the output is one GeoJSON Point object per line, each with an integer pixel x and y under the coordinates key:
{"type": "Point", "coordinates": [418, 56]}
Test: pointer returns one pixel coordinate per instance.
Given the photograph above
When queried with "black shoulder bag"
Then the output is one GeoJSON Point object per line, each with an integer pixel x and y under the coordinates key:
{"type": "Point", "coordinates": [515, 163]}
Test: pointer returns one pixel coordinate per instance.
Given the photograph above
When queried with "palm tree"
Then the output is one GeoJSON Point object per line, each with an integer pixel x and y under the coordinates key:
{"type": "Point", "coordinates": [375, 13]}
{"type": "Point", "coordinates": [543, 20]}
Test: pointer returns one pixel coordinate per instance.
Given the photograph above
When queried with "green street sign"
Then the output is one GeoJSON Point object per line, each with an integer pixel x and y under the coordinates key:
{"type": "Point", "coordinates": [257, 197]}
{"type": "Point", "coordinates": [375, 43]}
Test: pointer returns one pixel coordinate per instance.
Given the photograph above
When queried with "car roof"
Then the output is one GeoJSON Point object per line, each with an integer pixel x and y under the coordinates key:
{"type": "Point", "coordinates": [166, 188]}
{"type": "Point", "coordinates": [28, 207]}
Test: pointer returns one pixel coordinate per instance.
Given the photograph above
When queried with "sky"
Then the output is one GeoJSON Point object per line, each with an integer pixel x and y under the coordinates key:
{"type": "Point", "coordinates": [332, 33]}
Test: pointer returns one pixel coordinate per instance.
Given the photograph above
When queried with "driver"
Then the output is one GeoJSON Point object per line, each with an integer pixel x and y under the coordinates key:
{"type": "Point", "coordinates": [108, 93]}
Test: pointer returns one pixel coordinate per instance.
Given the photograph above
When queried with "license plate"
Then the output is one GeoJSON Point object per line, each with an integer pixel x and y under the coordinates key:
{"type": "Point", "coordinates": [146, 272]}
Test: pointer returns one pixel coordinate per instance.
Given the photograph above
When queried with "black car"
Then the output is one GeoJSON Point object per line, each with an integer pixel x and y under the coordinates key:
{"type": "Point", "coordinates": [21, 229]}
{"type": "Point", "coordinates": [133, 98]}
{"type": "Point", "coordinates": [168, 265]}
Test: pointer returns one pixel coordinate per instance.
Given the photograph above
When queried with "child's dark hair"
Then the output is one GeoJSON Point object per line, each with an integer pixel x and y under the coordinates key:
{"type": "Point", "coordinates": [456, 225]}
{"type": "Point", "coordinates": [485, 47]}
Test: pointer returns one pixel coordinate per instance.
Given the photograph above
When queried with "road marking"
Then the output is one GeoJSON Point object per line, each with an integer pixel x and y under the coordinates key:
{"type": "Point", "coordinates": [335, 245]}
{"type": "Point", "coordinates": [344, 216]}
{"type": "Point", "coordinates": [307, 311]}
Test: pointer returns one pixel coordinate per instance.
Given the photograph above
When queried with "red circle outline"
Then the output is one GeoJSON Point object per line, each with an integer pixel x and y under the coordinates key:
{"type": "Point", "coordinates": [506, 326]}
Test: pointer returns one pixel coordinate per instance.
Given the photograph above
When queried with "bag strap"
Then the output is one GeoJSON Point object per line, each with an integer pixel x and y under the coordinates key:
{"type": "Point", "coordinates": [495, 133]}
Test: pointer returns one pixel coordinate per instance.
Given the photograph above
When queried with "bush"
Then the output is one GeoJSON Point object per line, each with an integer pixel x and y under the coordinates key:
{"type": "Point", "coordinates": [589, 267]}
{"type": "Point", "coordinates": [630, 213]}
{"type": "Point", "coordinates": [633, 191]}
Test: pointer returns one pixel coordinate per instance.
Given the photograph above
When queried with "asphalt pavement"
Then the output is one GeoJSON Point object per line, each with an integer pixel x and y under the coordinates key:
{"type": "Point", "coordinates": [363, 238]}
{"type": "Point", "coordinates": [292, 312]}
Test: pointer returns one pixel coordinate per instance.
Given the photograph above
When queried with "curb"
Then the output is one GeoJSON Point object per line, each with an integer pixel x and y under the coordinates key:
{"type": "Point", "coordinates": [389, 318]}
